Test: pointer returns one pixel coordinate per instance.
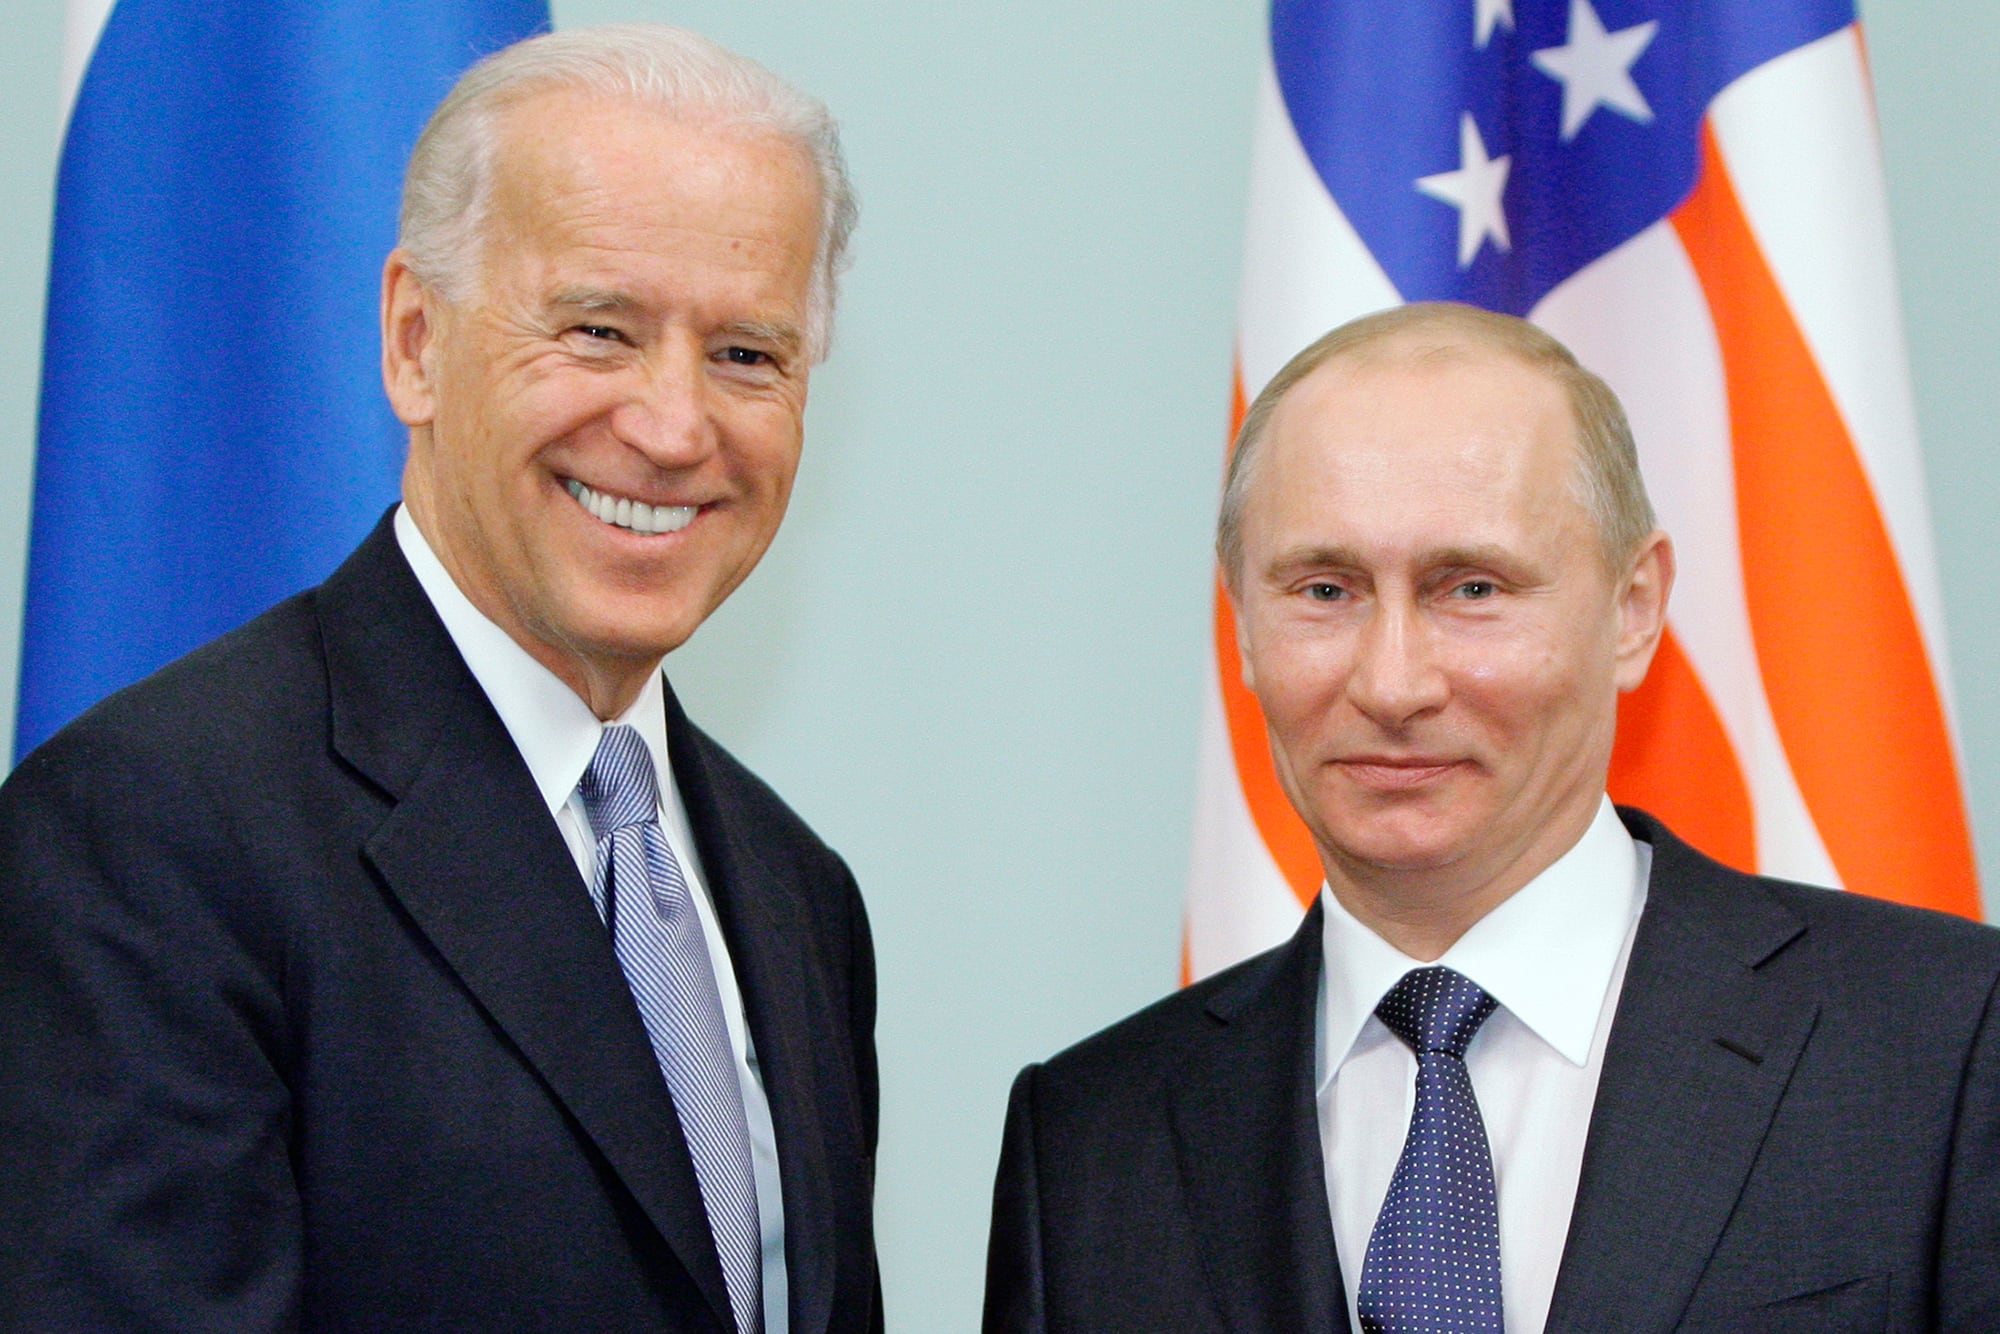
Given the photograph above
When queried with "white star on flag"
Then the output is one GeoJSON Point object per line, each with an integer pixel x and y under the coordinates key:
{"type": "Point", "coordinates": [1475, 188]}
{"type": "Point", "coordinates": [1595, 68]}
{"type": "Point", "coordinates": [1486, 14]}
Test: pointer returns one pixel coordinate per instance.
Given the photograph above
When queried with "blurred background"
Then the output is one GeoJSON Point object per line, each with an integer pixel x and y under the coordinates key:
{"type": "Point", "coordinates": [973, 657]}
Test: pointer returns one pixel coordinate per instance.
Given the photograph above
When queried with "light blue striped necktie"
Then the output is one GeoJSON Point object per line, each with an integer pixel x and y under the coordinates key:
{"type": "Point", "coordinates": [658, 939]}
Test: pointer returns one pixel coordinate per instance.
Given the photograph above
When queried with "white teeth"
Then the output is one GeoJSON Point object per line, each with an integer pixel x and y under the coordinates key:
{"type": "Point", "coordinates": [632, 515]}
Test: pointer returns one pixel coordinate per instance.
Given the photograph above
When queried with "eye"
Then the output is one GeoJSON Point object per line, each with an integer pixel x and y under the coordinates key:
{"type": "Point", "coordinates": [746, 356]}
{"type": "Point", "coordinates": [602, 333]}
{"type": "Point", "coordinates": [1475, 590]}
{"type": "Point", "coordinates": [1325, 592]}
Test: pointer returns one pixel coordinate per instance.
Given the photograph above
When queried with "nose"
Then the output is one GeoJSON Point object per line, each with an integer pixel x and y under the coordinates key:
{"type": "Point", "coordinates": [1396, 676]}
{"type": "Point", "coordinates": [666, 413]}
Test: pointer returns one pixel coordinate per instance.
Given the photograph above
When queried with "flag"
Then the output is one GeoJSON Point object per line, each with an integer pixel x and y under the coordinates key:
{"type": "Point", "coordinates": [213, 433]}
{"type": "Point", "coordinates": [1689, 194]}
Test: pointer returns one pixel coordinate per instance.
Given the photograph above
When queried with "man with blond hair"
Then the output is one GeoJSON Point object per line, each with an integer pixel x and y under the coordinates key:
{"type": "Point", "coordinates": [1530, 1062]}
{"type": "Point", "coordinates": [406, 960]}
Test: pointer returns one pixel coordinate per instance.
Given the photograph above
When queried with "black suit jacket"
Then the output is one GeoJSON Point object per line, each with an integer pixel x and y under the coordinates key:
{"type": "Point", "coordinates": [307, 1023]}
{"type": "Point", "coordinates": [1797, 1128]}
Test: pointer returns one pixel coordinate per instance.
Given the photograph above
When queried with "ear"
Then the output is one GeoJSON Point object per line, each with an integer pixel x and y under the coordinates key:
{"type": "Point", "coordinates": [410, 312]}
{"type": "Point", "coordinates": [1642, 609]}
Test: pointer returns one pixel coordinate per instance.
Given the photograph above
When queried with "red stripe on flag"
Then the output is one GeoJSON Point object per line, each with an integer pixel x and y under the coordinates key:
{"type": "Point", "coordinates": [1843, 662]}
{"type": "Point", "coordinates": [1673, 758]}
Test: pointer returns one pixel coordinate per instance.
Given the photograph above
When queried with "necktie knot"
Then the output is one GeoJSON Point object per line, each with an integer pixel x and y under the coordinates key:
{"type": "Point", "coordinates": [1436, 1010]}
{"type": "Point", "coordinates": [618, 788]}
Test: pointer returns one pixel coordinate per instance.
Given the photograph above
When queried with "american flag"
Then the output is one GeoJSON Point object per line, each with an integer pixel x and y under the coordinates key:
{"type": "Point", "coordinates": [1689, 194]}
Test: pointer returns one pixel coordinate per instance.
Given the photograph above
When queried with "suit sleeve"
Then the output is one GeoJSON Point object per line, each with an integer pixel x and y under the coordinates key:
{"type": "Point", "coordinates": [1015, 1301]}
{"type": "Point", "coordinates": [1968, 1281]}
{"type": "Point", "coordinates": [145, 1177]}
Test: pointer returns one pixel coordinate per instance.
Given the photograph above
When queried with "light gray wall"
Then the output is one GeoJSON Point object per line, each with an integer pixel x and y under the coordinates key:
{"type": "Point", "coordinates": [972, 659]}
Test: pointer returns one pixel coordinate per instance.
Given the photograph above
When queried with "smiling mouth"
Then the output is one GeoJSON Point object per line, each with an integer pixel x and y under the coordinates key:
{"type": "Point", "coordinates": [634, 516]}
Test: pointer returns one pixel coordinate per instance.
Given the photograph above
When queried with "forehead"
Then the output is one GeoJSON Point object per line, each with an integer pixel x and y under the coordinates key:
{"type": "Point", "coordinates": [1431, 443]}
{"type": "Point", "coordinates": [579, 167]}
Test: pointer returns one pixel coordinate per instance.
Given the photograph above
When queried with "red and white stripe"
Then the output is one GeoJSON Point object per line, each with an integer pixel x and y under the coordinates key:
{"type": "Point", "coordinates": [1797, 720]}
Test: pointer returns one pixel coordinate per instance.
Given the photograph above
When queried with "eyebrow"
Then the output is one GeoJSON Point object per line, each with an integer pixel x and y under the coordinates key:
{"type": "Point", "coordinates": [593, 299]}
{"type": "Point", "coordinates": [780, 333]}
{"type": "Point", "coordinates": [1478, 555]}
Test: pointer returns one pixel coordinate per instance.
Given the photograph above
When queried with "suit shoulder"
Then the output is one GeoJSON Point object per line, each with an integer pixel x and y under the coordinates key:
{"type": "Point", "coordinates": [1862, 939]}
{"type": "Point", "coordinates": [217, 706]}
{"type": "Point", "coordinates": [1159, 1034]}
{"type": "Point", "coordinates": [1876, 936]}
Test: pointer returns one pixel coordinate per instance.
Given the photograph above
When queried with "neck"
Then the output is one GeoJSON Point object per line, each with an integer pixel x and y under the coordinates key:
{"type": "Point", "coordinates": [607, 693]}
{"type": "Point", "coordinates": [1422, 921]}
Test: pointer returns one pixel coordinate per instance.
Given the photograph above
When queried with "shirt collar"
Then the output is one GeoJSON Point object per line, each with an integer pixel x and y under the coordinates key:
{"type": "Point", "coordinates": [552, 727]}
{"type": "Point", "coordinates": [1546, 954]}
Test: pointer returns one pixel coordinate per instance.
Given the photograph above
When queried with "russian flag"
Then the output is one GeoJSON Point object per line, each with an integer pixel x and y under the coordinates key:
{"type": "Point", "coordinates": [1689, 194]}
{"type": "Point", "coordinates": [213, 433]}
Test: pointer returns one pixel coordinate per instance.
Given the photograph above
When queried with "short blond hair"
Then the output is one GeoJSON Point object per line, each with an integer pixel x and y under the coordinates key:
{"type": "Point", "coordinates": [1607, 475]}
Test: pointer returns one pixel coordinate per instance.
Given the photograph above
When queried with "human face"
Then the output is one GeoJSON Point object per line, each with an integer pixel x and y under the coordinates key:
{"type": "Point", "coordinates": [635, 338]}
{"type": "Point", "coordinates": [1430, 624]}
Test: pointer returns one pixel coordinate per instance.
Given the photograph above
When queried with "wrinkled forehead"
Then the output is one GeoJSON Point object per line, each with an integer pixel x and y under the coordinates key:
{"type": "Point", "coordinates": [600, 150]}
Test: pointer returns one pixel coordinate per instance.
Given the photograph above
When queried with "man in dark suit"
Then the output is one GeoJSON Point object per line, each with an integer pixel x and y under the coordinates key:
{"type": "Point", "coordinates": [1529, 1063]}
{"type": "Point", "coordinates": [407, 960]}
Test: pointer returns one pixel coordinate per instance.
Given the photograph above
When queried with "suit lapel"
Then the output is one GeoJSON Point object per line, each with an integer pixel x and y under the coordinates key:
{"type": "Point", "coordinates": [469, 850]}
{"type": "Point", "coordinates": [1700, 1052]}
{"type": "Point", "coordinates": [1246, 1122]}
{"type": "Point", "coordinates": [766, 924]}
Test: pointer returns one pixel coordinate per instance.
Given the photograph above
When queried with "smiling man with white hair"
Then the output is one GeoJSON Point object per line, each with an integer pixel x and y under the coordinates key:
{"type": "Point", "coordinates": [407, 960]}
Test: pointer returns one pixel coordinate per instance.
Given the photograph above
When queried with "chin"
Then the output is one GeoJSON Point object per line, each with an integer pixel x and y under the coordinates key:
{"type": "Point", "coordinates": [638, 645]}
{"type": "Point", "coordinates": [628, 623]}
{"type": "Point", "coordinates": [1403, 852]}
{"type": "Point", "coordinates": [1415, 861]}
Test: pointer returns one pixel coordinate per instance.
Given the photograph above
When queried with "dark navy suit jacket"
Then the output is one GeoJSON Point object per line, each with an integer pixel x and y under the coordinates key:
{"type": "Point", "coordinates": [307, 1024]}
{"type": "Point", "coordinates": [1797, 1128]}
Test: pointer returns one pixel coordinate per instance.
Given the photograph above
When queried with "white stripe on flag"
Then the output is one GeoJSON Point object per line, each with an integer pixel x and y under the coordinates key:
{"type": "Point", "coordinates": [1796, 133]}
{"type": "Point", "coordinates": [83, 21]}
{"type": "Point", "coordinates": [1305, 271]}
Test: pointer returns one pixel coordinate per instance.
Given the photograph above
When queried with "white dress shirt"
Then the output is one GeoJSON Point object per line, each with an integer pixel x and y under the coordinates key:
{"type": "Point", "coordinates": [557, 736]}
{"type": "Point", "coordinates": [1553, 956]}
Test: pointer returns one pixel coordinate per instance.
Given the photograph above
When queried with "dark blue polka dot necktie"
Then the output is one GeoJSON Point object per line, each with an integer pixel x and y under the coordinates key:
{"type": "Point", "coordinates": [1433, 1261]}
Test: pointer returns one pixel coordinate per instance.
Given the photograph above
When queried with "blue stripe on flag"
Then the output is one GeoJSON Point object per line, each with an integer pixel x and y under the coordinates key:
{"type": "Point", "coordinates": [213, 431]}
{"type": "Point", "coordinates": [1377, 90]}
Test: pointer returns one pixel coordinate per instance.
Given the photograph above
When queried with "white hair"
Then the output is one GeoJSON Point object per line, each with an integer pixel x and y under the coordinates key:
{"type": "Point", "coordinates": [447, 187]}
